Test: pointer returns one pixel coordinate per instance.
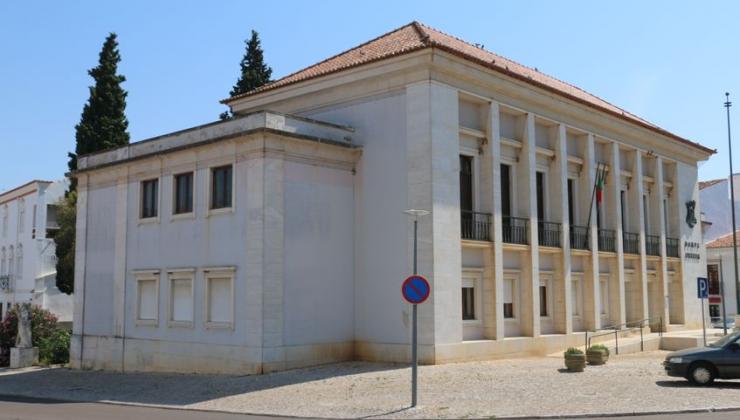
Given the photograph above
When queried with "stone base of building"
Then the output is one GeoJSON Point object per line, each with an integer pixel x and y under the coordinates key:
{"type": "Point", "coordinates": [25, 357]}
{"type": "Point", "coordinates": [140, 355]}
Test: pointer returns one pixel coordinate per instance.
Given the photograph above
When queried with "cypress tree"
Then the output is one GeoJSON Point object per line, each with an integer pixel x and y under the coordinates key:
{"type": "Point", "coordinates": [102, 126]}
{"type": "Point", "coordinates": [254, 71]}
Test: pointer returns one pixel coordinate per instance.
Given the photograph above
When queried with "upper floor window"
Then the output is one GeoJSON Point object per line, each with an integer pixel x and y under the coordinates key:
{"type": "Point", "coordinates": [21, 215]}
{"type": "Point", "coordinates": [221, 187]}
{"type": "Point", "coordinates": [183, 199]}
{"type": "Point", "coordinates": [149, 199]}
{"type": "Point", "coordinates": [5, 220]}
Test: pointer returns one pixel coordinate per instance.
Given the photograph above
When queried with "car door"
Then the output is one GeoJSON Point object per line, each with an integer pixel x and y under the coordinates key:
{"type": "Point", "coordinates": [729, 365]}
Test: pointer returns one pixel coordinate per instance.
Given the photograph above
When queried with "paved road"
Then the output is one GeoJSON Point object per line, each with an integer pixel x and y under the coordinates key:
{"type": "Point", "coordinates": [22, 408]}
{"type": "Point", "coordinates": [12, 408]}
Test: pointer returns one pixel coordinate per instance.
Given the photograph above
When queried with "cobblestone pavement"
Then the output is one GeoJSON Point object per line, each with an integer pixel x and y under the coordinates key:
{"type": "Point", "coordinates": [519, 387]}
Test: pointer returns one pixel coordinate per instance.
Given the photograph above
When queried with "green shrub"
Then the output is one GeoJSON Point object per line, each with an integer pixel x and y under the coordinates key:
{"type": "Point", "coordinates": [600, 347]}
{"type": "Point", "coordinates": [573, 351]}
{"type": "Point", "coordinates": [45, 334]}
{"type": "Point", "coordinates": [54, 349]}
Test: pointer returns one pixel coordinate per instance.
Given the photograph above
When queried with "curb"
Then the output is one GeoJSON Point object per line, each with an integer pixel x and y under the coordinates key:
{"type": "Point", "coordinates": [31, 400]}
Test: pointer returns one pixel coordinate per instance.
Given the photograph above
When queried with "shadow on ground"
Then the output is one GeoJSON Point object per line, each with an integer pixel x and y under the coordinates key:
{"type": "Point", "coordinates": [58, 384]}
{"type": "Point", "coordinates": [687, 384]}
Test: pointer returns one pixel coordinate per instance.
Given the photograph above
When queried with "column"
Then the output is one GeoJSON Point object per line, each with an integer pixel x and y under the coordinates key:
{"type": "Point", "coordinates": [530, 272]}
{"type": "Point", "coordinates": [76, 356]}
{"type": "Point", "coordinates": [119, 262]}
{"type": "Point", "coordinates": [591, 297]}
{"type": "Point", "coordinates": [662, 269]}
{"type": "Point", "coordinates": [563, 314]}
{"type": "Point", "coordinates": [637, 188]}
{"type": "Point", "coordinates": [496, 331]}
{"type": "Point", "coordinates": [614, 213]}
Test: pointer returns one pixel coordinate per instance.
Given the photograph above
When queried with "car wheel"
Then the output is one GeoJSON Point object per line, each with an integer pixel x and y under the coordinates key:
{"type": "Point", "coordinates": [701, 374]}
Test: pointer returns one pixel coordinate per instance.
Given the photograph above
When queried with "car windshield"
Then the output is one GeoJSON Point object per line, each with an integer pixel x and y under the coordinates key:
{"type": "Point", "coordinates": [729, 338]}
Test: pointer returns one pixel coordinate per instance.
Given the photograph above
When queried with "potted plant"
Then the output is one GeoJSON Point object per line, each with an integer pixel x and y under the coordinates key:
{"type": "Point", "coordinates": [575, 360]}
{"type": "Point", "coordinates": [597, 354]}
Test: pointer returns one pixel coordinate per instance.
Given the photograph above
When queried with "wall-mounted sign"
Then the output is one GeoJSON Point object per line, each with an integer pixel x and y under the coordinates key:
{"type": "Point", "coordinates": [691, 250]}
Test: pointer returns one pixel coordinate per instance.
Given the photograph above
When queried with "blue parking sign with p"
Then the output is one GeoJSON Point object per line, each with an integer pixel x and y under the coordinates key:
{"type": "Point", "coordinates": [702, 287]}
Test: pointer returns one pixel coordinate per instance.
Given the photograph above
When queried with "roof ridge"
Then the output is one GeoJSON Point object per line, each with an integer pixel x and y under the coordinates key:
{"type": "Point", "coordinates": [499, 56]}
{"type": "Point", "coordinates": [356, 47]}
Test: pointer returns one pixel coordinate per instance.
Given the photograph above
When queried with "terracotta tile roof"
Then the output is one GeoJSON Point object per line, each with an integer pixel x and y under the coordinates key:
{"type": "Point", "coordinates": [707, 184]}
{"type": "Point", "coordinates": [724, 241]}
{"type": "Point", "coordinates": [416, 36]}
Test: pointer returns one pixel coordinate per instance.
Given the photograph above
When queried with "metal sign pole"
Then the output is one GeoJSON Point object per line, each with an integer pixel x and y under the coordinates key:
{"type": "Point", "coordinates": [703, 322]}
{"type": "Point", "coordinates": [414, 355]}
{"type": "Point", "coordinates": [722, 293]}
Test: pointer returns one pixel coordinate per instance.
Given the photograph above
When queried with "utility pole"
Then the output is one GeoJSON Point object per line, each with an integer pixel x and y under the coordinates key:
{"type": "Point", "coordinates": [728, 104]}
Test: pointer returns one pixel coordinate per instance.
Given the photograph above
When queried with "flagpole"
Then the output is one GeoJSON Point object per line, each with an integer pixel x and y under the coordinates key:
{"type": "Point", "coordinates": [593, 195]}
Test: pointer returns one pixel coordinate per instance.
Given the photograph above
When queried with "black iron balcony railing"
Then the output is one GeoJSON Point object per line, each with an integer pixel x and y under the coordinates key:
{"type": "Point", "coordinates": [671, 247]}
{"type": "Point", "coordinates": [515, 230]}
{"type": "Point", "coordinates": [652, 245]}
{"type": "Point", "coordinates": [475, 225]}
{"type": "Point", "coordinates": [548, 234]}
{"type": "Point", "coordinates": [631, 243]}
{"type": "Point", "coordinates": [607, 240]}
{"type": "Point", "coordinates": [579, 237]}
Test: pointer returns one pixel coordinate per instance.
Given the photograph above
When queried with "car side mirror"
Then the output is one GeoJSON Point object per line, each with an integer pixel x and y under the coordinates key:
{"type": "Point", "coordinates": [734, 346]}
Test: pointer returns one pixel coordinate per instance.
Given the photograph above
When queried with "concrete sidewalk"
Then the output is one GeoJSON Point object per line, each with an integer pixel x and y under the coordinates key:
{"type": "Point", "coordinates": [522, 387]}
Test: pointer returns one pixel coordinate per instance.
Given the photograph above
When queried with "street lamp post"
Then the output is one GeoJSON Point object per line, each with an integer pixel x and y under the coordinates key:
{"type": "Point", "coordinates": [416, 214]}
{"type": "Point", "coordinates": [728, 104]}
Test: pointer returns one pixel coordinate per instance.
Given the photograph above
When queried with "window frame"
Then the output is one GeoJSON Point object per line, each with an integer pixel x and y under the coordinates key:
{"type": "Point", "coordinates": [145, 276]}
{"type": "Point", "coordinates": [172, 276]}
{"type": "Point", "coordinates": [193, 188]}
{"type": "Point", "coordinates": [210, 192]}
{"type": "Point", "coordinates": [513, 278]}
{"type": "Point", "coordinates": [545, 281]}
{"type": "Point", "coordinates": [576, 284]}
{"type": "Point", "coordinates": [155, 218]}
{"type": "Point", "coordinates": [211, 273]}
{"type": "Point", "coordinates": [472, 278]}
{"type": "Point", "coordinates": [603, 295]}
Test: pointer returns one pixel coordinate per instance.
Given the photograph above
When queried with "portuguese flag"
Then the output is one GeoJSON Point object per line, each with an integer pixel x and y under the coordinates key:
{"type": "Point", "coordinates": [600, 185]}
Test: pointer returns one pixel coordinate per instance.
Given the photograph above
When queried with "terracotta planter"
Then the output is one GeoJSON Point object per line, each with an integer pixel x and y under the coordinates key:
{"type": "Point", "coordinates": [575, 362]}
{"type": "Point", "coordinates": [597, 357]}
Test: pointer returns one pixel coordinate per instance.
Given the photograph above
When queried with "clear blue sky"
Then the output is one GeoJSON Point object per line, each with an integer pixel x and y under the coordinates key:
{"type": "Point", "coordinates": [667, 61]}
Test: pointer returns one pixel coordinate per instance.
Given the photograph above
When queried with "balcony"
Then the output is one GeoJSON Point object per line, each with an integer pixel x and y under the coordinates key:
{"type": "Point", "coordinates": [475, 226]}
{"type": "Point", "coordinates": [607, 240]}
{"type": "Point", "coordinates": [631, 243]}
{"type": "Point", "coordinates": [6, 283]}
{"type": "Point", "coordinates": [548, 234]}
{"type": "Point", "coordinates": [652, 244]}
{"type": "Point", "coordinates": [515, 230]}
{"type": "Point", "coordinates": [672, 247]}
{"type": "Point", "coordinates": [579, 237]}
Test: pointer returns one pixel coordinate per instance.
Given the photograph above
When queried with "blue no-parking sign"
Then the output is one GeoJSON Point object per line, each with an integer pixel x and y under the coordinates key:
{"type": "Point", "coordinates": [702, 287]}
{"type": "Point", "coordinates": [415, 289]}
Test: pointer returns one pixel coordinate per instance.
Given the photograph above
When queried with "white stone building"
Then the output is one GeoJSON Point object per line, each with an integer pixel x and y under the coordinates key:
{"type": "Point", "coordinates": [278, 239]}
{"type": "Point", "coordinates": [27, 260]}
{"type": "Point", "coordinates": [717, 211]}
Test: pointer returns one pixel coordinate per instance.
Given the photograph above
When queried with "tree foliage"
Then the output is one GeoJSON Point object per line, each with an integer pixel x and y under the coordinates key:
{"type": "Point", "coordinates": [103, 125]}
{"type": "Point", "coordinates": [45, 334]}
{"type": "Point", "coordinates": [254, 71]}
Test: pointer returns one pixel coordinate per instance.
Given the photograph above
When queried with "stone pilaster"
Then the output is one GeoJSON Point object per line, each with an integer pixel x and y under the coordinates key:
{"type": "Point", "coordinates": [530, 273]}
{"type": "Point", "coordinates": [497, 309]}
{"type": "Point", "coordinates": [562, 313]}
{"type": "Point", "coordinates": [591, 298]}
{"type": "Point", "coordinates": [78, 316]}
{"type": "Point", "coordinates": [662, 268]}
{"type": "Point", "coordinates": [614, 214]}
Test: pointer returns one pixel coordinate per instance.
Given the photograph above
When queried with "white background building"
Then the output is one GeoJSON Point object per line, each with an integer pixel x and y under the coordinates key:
{"type": "Point", "coordinates": [27, 259]}
{"type": "Point", "coordinates": [279, 239]}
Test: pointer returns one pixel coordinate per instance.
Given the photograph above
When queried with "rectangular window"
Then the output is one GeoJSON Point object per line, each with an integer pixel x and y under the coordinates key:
{"type": "Point", "coordinates": [623, 205]}
{"type": "Point", "coordinates": [149, 198]}
{"type": "Point", "coordinates": [543, 300]}
{"type": "Point", "coordinates": [21, 215]}
{"type": "Point", "coordinates": [219, 298]}
{"type": "Point", "coordinates": [509, 298]}
{"type": "Point", "coordinates": [665, 217]}
{"type": "Point", "coordinates": [468, 303]}
{"type": "Point", "coordinates": [183, 193]}
{"type": "Point", "coordinates": [713, 277]}
{"type": "Point", "coordinates": [604, 294]}
{"type": "Point", "coordinates": [571, 203]}
{"type": "Point", "coordinates": [645, 214]}
{"type": "Point", "coordinates": [466, 183]}
{"type": "Point", "coordinates": [221, 184]}
{"type": "Point", "coordinates": [540, 196]}
{"type": "Point", "coordinates": [505, 190]}
{"type": "Point", "coordinates": [575, 297]}
{"type": "Point", "coordinates": [181, 298]}
{"type": "Point", "coordinates": [147, 298]}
